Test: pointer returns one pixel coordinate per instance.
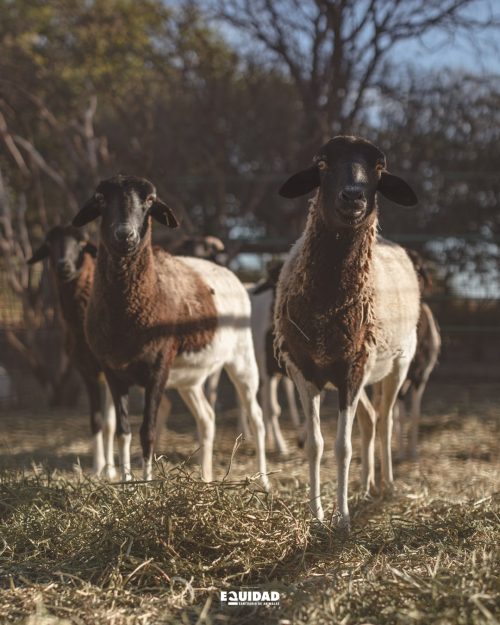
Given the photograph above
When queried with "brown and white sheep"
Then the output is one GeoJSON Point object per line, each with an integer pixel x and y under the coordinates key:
{"type": "Point", "coordinates": [347, 304]}
{"type": "Point", "coordinates": [157, 320]}
{"type": "Point", "coordinates": [72, 264]}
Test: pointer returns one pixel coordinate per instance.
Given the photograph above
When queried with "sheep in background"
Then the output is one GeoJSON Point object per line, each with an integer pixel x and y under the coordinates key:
{"type": "Point", "coordinates": [347, 304]}
{"type": "Point", "coordinates": [72, 264]}
{"type": "Point", "coordinates": [154, 319]}
{"type": "Point", "coordinates": [207, 247]}
{"type": "Point", "coordinates": [262, 297]}
{"type": "Point", "coordinates": [421, 367]}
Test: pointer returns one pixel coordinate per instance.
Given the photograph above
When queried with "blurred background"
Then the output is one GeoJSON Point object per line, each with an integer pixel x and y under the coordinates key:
{"type": "Point", "coordinates": [217, 102]}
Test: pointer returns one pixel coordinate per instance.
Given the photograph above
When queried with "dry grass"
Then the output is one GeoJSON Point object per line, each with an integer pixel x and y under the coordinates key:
{"type": "Point", "coordinates": [74, 550]}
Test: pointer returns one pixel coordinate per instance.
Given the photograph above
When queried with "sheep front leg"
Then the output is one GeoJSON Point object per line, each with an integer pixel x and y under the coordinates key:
{"type": "Point", "coordinates": [153, 396]}
{"type": "Point", "coordinates": [109, 428]}
{"type": "Point", "coordinates": [343, 453]}
{"type": "Point", "coordinates": [119, 391]}
{"type": "Point", "coordinates": [93, 391]}
{"type": "Point", "coordinates": [310, 399]}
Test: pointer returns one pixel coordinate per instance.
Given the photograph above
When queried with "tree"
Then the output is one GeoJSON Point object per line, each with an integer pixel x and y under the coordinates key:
{"type": "Point", "coordinates": [334, 50]}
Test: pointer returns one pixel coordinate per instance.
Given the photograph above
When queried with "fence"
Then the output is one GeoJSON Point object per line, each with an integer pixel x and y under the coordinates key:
{"type": "Point", "coordinates": [470, 328]}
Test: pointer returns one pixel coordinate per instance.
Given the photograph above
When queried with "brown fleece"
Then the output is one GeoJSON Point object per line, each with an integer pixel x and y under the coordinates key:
{"type": "Point", "coordinates": [147, 308]}
{"type": "Point", "coordinates": [73, 300]}
{"type": "Point", "coordinates": [324, 318]}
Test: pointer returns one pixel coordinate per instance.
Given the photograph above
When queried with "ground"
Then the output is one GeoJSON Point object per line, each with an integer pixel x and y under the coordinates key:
{"type": "Point", "coordinates": [77, 550]}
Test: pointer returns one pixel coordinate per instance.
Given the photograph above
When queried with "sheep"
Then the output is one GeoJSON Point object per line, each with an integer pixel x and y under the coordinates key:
{"type": "Point", "coordinates": [72, 264]}
{"type": "Point", "coordinates": [262, 297]}
{"type": "Point", "coordinates": [158, 320]}
{"type": "Point", "coordinates": [422, 365]}
{"type": "Point", "coordinates": [207, 247]}
{"type": "Point", "coordinates": [347, 306]}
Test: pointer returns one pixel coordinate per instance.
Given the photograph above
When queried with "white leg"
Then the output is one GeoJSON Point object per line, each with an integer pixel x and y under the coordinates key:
{"type": "Point", "coordinates": [343, 453]}
{"type": "Point", "coordinates": [399, 418]}
{"type": "Point", "coordinates": [108, 428]}
{"type": "Point", "coordinates": [162, 417]}
{"type": "Point", "coordinates": [98, 453]}
{"type": "Point", "coordinates": [244, 375]}
{"type": "Point", "coordinates": [243, 426]}
{"type": "Point", "coordinates": [390, 388]}
{"type": "Point", "coordinates": [416, 402]}
{"type": "Point", "coordinates": [203, 413]}
{"type": "Point", "coordinates": [211, 385]}
{"type": "Point", "coordinates": [292, 403]}
{"type": "Point", "coordinates": [367, 419]}
{"type": "Point", "coordinates": [272, 417]}
{"type": "Point", "coordinates": [124, 456]}
{"type": "Point", "coordinates": [147, 469]}
{"type": "Point", "coordinates": [310, 400]}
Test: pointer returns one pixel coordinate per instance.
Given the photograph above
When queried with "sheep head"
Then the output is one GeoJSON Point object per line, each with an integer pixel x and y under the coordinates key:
{"type": "Point", "coordinates": [125, 205]}
{"type": "Point", "coordinates": [348, 172]}
{"type": "Point", "coordinates": [65, 247]}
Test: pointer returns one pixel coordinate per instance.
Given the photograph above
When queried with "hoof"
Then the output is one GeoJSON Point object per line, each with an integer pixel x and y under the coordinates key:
{"type": "Point", "coordinates": [265, 483]}
{"type": "Point", "coordinates": [317, 511]}
{"type": "Point", "coordinates": [97, 470]}
{"type": "Point", "coordinates": [109, 472]}
{"type": "Point", "coordinates": [388, 489]}
{"type": "Point", "coordinates": [126, 476]}
{"type": "Point", "coordinates": [344, 523]}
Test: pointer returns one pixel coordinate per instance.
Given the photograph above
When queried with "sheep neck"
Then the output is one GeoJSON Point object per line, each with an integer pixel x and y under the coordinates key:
{"type": "Point", "coordinates": [335, 264]}
{"type": "Point", "coordinates": [129, 278]}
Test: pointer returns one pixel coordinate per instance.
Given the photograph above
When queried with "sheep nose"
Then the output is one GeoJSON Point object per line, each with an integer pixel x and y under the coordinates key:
{"type": "Point", "coordinates": [124, 233]}
{"type": "Point", "coordinates": [351, 194]}
{"type": "Point", "coordinates": [63, 264]}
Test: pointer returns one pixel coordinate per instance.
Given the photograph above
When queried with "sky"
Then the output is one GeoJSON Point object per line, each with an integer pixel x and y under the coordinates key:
{"type": "Point", "coordinates": [479, 54]}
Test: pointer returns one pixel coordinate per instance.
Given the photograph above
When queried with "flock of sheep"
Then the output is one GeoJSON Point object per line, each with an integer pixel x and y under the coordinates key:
{"type": "Point", "coordinates": [343, 312]}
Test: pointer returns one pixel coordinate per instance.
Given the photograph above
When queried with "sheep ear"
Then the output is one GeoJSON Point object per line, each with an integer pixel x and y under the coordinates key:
{"type": "Point", "coordinates": [301, 183]}
{"type": "Point", "coordinates": [42, 252]}
{"type": "Point", "coordinates": [396, 189]}
{"type": "Point", "coordinates": [91, 210]}
{"type": "Point", "coordinates": [163, 214]}
{"type": "Point", "coordinates": [91, 249]}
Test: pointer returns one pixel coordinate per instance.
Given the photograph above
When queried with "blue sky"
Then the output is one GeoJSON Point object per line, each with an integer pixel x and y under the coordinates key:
{"type": "Point", "coordinates": [479, 54]}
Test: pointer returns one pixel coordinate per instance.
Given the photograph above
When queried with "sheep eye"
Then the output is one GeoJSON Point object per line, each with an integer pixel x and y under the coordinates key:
{"type": "Point", "coordinates": [379, 166]}
{"type": "Point", "coordinates": [322, 165]}
{"type": "Point", "coordinates": [150, 199]}
{"type": "Point", "coordinates": [99, 197]}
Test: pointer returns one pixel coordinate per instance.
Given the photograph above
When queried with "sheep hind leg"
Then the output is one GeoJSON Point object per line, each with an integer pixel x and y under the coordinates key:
{"type": "Point", "coordinates": [245, 377]}
{"type": "Point", "coordinates": [202, 411]}
{"type": "Point", "coordinates": [390, 388]}
{"type": "Point", "coordinates": [272, 416]}
{"type": "Point", "coordinates": [416, 402]}
{"type": "Point", "coordinates": [367, 418]}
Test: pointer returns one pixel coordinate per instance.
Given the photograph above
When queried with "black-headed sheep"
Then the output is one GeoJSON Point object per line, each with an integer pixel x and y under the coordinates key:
{"type": "Point", "coordinates": [347, 304]}
{"type": "Point", "coordinates": [157, 320]}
